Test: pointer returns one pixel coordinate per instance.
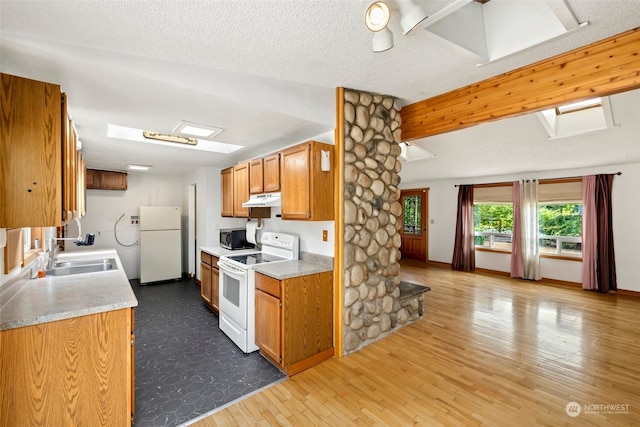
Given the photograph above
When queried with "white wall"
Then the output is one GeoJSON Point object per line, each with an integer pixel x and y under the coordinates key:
{"type": "Point", "coordinates": [443, 199]}
{"type": "Point", "coordinates": [104, 207]}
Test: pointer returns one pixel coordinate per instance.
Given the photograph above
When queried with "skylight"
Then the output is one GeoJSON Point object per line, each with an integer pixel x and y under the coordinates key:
{"type": "Point", "coordinates": [411, 152]}
{"type": "Point", "coordinates": [133, 134]}
{"type": "Point", "coordinates": [580, 105]}
{"type": "Point", "coordinates": [196, 129]}
{"type": "Point", "coordinates": [577, 118]}
{"type": "Point", "coordinates": [498, 28]}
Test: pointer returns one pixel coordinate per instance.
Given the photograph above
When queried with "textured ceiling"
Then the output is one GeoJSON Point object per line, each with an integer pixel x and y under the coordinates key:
{"type": "Point", "coordinates": [266, 72]}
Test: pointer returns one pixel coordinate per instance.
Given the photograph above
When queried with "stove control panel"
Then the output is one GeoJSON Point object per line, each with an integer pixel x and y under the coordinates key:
{"type": "Point", "coordinates": [279, 240]}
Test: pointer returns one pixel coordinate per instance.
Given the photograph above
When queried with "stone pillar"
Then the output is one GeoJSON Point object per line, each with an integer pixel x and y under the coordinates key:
{"type": "Point", "coordinates": [372, 219]}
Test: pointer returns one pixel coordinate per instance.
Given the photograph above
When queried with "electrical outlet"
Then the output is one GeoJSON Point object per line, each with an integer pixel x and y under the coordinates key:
{"type": "Point", "coordinates": [325, 235]}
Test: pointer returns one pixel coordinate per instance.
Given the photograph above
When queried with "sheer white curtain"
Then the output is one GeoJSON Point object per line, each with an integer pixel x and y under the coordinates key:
{"type": "Point", "coordinates": [530, 244]}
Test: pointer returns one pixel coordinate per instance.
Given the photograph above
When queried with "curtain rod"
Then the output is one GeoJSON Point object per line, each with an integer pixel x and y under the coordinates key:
{"type": "Point", "coordinates": [507, 183]}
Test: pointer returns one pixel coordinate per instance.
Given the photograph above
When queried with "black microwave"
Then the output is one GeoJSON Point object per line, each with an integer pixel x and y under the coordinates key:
{"type": "Point", "coordinates": [234, 238]}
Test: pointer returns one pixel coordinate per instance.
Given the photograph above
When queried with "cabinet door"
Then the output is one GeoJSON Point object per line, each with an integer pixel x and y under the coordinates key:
{"type": "Point", "coordinates": [69, 165]}
{"type": "Point", "coordinates": [295, 182]}
{"type": "Point", "coordinates": [240, 190]}
{"type": "Point", "coordinates": [205, 283]}
{"type": "Point", "coordinates": [256, 177]}
{"type": "Point", "coordinates": [268, 323]}
{"type": "Point", "coordinates": [271, 173]}
{"type": "Point", "coordinates": [133, 365]}
{"type": "Point", "coordinates": [215, 286]}
{"type": "Point", "coordinates": [93, 179]}
{"type": "Point", "coordinates": [226, 177]}
{"type": "Point", "coordinates": [113, 180]}
{"type": "Point", "coordinates": [30, 153]}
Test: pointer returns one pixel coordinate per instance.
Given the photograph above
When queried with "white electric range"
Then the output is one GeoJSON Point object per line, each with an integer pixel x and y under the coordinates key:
{"type": "Point", "coordinates": [237, 286]}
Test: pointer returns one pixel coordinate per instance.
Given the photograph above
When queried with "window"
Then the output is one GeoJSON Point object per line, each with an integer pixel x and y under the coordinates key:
{"type": "Point", "coordinates": [559, 217]}
{"type": "Point", "coordinates": [560, 229]}
{"type": "Point", "coordinates": [493, 216]}
{"type": "Point", "coordinates": [412, 208]}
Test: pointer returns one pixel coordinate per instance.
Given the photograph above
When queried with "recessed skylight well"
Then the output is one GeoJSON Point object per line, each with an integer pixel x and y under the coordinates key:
{"type": "Point", "coordinates": [577, 118]}
{"type": "Point", "coordinates": [498, 28]}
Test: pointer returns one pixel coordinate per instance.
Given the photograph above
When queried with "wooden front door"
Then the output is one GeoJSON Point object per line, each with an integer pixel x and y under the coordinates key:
{"type": "Point", "coordinates": [414, 226]}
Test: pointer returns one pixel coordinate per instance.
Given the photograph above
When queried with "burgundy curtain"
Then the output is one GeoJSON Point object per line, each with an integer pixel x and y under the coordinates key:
{"type": "Point", "coordinates": [517, 263]}
{"type": "Point", "coordinates": [464, 257]}
{"type": "Point", "coordinates": [606, 260]}
{"type": "Point", "coordinates": [589, 234]}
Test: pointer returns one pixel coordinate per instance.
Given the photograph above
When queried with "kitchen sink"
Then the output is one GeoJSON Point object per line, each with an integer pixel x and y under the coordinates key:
{"type": "Point", "coordinates": [65, 268]}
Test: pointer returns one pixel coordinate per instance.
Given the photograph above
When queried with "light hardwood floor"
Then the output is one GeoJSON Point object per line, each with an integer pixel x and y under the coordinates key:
{"type": "Point", "coordinates": [488, 351]}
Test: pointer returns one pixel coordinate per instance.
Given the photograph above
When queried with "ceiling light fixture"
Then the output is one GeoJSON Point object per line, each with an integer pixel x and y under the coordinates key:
{"type": "Point", "coordinates": [376, 19]}
{"type": "Point", "coordinates": [169, 138]}
{"type": "Point", "coordinates": [411, 15]}
{"type": "Point", "coordinates": [139, 167]}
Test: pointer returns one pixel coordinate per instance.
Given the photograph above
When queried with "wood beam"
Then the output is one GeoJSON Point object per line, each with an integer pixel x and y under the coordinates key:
{"type": "Point", "coordinates": [603, 68]}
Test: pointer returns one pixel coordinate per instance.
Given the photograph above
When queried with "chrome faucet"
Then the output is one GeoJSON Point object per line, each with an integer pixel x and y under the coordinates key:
{"type": "Point", "coordinates": [54, 246]}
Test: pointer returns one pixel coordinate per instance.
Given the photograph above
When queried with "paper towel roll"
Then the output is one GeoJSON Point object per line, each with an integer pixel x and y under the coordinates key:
{"type": "Point", "coordinates": [251, 232]}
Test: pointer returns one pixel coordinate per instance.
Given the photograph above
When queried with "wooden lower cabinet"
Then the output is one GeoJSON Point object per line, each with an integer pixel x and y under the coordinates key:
{"type": "Point", "coordinates": [76, 371]}
{"type": "Point", "coordinates": [294, 320]}
{"type": "Point", "coordinates": [209, 280]}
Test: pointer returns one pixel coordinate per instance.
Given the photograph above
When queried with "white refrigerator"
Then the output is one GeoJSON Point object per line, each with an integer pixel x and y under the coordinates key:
{"type": "Point", "coordinates": [160, 244]}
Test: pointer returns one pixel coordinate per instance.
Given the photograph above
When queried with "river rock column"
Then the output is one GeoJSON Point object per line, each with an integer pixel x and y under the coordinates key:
{"type": "Point", "coordinates": [372, 219]}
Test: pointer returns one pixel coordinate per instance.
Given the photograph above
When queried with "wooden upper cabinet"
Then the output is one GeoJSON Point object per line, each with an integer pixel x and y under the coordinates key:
{"type": "Point", "coordinates": [307, 191]}
{"type": "Point", "coordinates": [271, 173]}
{"type": "Point", "coordinates": [226, 177]}
{"type": "Point", "coordinates": [256, 177]}
{"type": "Point", "coordinates": [106, 180]}
{"type": "Point", "coordinates": [264, 174]}
{"type": "Point", "coordinates": [240, 189]}
{"type": "Point", "coordinates": [30, 153]}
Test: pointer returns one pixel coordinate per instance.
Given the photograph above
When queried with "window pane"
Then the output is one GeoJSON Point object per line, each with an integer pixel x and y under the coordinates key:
{"type": "Point", "coordinates": [560, 228]}
{"type": "Point", "coordinates": [493, 225]}
{"type": "Point", "coordinates": [412, 206]}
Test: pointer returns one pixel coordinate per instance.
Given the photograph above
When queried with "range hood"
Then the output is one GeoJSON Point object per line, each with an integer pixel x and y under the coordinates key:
{"type": "Point", "coordinates": [266, 200]}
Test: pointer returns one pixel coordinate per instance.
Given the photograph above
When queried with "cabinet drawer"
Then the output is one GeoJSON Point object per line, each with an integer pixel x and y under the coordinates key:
{"type": "Point", "coordinates": [206, 258]}
{"type": "Point", "coordinates": [268, 285]}
{"type": "Point", "coordinates": [214, 261]}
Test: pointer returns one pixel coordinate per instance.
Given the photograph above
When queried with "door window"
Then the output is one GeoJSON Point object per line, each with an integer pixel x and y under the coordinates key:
{"type": "Point", "coordinates": [412, 208]}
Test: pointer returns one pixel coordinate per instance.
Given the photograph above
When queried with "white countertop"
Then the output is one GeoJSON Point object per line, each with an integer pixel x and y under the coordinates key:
{"type": "Point", "coordinates": [34, 301]}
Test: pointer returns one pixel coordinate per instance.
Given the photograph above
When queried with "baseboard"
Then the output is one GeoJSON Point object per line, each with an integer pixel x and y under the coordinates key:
{"type": "Point", "coordinates": [628, 293]}
{"type": "Point", "coordinates": [439, 264]}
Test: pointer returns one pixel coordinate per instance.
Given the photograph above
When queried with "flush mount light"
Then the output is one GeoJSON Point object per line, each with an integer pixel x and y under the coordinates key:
{"type": "Point", "coordinates": [377, 16]}
{"type": "Point", "coordinates": [139, 167]}
{"type": "Point", "coordinates": [196, 129]}
{"type": "Point", "coordinates": [169, 138]}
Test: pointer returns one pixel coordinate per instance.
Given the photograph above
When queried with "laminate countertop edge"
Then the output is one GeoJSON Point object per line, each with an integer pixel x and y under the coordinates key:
{"type": "Point", "coordinates": [49, 299]}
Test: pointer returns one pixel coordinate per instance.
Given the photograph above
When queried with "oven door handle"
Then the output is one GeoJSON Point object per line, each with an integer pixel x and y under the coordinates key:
{"type": "Point", "coordinates": [231, 270]}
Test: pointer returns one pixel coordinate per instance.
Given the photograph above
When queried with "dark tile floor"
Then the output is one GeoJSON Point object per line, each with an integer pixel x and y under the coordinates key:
{"type": "Point", "coordinates": [185, 366]}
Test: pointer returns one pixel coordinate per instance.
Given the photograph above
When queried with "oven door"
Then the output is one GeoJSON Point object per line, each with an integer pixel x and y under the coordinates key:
{"type": "Point", "coordinates": [233, 292]}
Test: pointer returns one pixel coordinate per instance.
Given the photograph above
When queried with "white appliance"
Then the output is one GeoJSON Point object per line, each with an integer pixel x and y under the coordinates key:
{"type": "Point", "coordinates": [237, 309]}
{"type": "Point", "coordinates": [160, 243]}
